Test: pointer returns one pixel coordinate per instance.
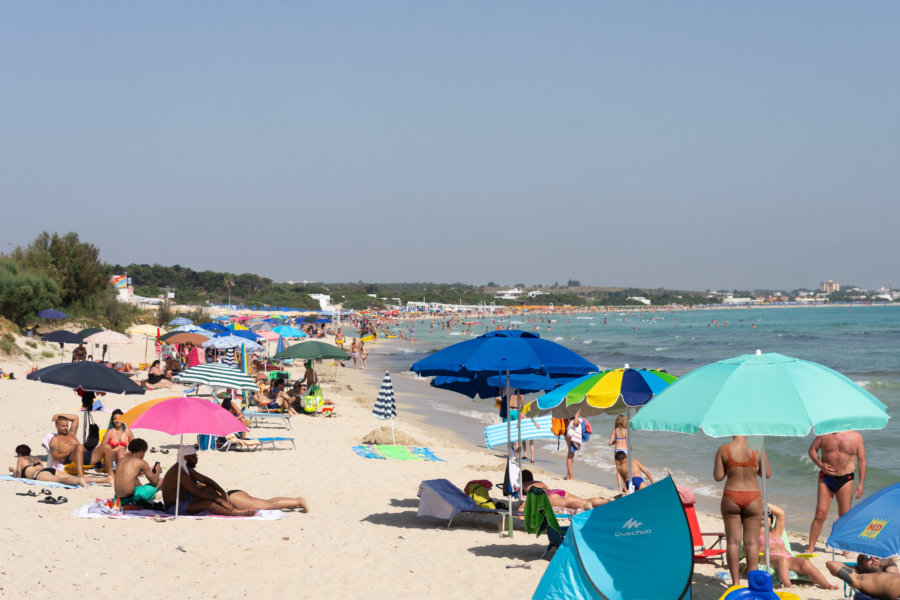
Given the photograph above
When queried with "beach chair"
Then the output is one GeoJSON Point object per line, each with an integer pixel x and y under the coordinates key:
{"type": "Point", "coordinates": [233, 442]}
{"type": "Point", "coordinates": [441, 499]}
{"type": "Point", "coordinates": [702, 551]}
{"type": "Point", "coordinates": [540, 518]}
{"type": "Point", "coordinates": [258, 418]}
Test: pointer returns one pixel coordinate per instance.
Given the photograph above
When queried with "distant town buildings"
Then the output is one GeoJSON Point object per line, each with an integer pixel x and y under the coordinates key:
{"type": "Point", "coordinates": [830, 286]}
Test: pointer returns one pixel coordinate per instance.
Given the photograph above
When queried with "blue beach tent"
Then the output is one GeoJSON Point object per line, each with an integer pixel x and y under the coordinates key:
{"type": "Point", "coordinates": [606, 551]}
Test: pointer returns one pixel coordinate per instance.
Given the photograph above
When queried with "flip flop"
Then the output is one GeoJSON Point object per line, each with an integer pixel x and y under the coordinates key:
{"type": "Point", "coordinates": [48, 500]}
{"type": "Point", "coordinates": [28, 493]}
{"type": "Point", "coordinates": [61, 499]}
{"type": "Point", "coordinates": [164, 451]}
{"type": "Point", "coordinates": [46, 492]}
{"type": "Point", "coordinates": [152, 450]}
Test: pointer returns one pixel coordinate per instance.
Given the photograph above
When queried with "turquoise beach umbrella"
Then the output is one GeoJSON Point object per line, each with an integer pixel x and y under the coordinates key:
{"type": "Point", "coordinates": [762, 394]}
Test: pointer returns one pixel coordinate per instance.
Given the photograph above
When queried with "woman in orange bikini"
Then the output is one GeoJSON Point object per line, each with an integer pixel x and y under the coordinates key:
{"type": "Point", "coordinates": [117, 437]}
{"type": "Point", "coordinates": [741, 501]}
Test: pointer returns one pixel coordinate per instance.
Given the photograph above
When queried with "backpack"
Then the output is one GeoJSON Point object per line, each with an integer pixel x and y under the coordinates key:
{"type": "Point", "coordinates": [559, 429]}
{"type": "Point", "coordinates": [477, 490]}
{"type": "Point", "coordinates": [93, 436]}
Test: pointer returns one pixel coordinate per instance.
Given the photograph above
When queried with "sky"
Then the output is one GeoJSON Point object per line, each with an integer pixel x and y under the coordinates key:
{"type": "Point", "coordinates": [649, 144]}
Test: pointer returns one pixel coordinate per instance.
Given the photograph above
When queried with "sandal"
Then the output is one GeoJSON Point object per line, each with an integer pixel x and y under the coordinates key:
{"type": "Point", "coordinates": [164, 450]}
{"type": "Point", "coordinates": [152, 450]}
{"type": "Point", "coordinates": [61, 499]}
{"type": "Point", "coordinates": [50, 500]}
{"type": "Point", "coordinates": [28, 493]}
{"type": "Point", "coordinates": [46, 492]}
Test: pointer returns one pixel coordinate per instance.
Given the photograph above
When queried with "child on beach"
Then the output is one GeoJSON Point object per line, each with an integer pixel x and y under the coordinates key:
{"type": "Point", "coordinates": [636, 482]}
{"type": "Point", "coordinates": [619, 440]}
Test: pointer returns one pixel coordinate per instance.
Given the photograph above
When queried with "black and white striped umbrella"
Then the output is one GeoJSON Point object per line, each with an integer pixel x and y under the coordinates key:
{"type": "Point", "coordinates": [385, 407]}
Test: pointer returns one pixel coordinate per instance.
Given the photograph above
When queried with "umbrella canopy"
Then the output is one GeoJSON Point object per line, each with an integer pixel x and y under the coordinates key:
{"type": "Point", "coordinates": [216, 327]}
{"type": "Point", "coordinates": [51, 313]}
{"type": "Point", "coordinates": [241, 333]}
{"type": "Point", "coordinates": [108, 337]}
{"type": "Point", "coordinates": [87, 375]}
{"type": "Point", "coordinates": [288, 331]}
{"type": "Point", "coordinates": [179, 416]}
{"type": "Point", "coordinates": [762, 394]}
{"type": "Point", "coordinates": [237, 327]}
{"type": "Point", "coordinates": [483, 385]}
{"type": "Point", "coordinates": [871, 527]}
{"type": "Point", "coordinates": [501, 351]}
{"type": "Point", "coordinates": [312, 350]}
{"type": "Point", "coordinates": [385, 406]}
{"type": "Point", "coordinates": [190, 328]}
{"type": "Point", "coordinates": [261, 327]}
{"type": "Point", "coordinates": [218, 375]}
{"type": "Point", "coordinates": [610, 391]}
{"type": "Point", "coordinates": [184, 337]}
{"type": "Point", "coordinates": [280, 345]}
{"type": "Point", "coordinates": [145, 329]}
{"type": "Point", "coordinates": [231, 341]}
{"type": "Point", "coordinates": [84, 333]}
{"type": "Point", "coordinates": [180, 321]}
{"type": "Point", "coordinates": [268, 335]}
{"type": "Point", "coordinates": [63, 337]}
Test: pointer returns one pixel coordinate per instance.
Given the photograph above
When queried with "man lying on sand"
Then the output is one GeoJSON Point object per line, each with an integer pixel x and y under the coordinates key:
{"type": "Point", "coordinates": [199, 493]}
{"type": "Point", "coordinates": [884, 586]}
{"type": "Point", "coordinates": [31, 467]}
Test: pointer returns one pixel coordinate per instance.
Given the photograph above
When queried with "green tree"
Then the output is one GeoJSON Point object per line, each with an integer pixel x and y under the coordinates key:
{"type": "Point", "coordinates": [24, 292]}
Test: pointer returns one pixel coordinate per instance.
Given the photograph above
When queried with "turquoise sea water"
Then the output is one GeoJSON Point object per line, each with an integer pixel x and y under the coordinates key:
{"type": "Point", "coordinates": [861, 342]}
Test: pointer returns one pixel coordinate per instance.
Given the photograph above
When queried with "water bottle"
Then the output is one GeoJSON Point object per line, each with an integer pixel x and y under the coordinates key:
{"type": "Point", "coordinates": [723, 575]}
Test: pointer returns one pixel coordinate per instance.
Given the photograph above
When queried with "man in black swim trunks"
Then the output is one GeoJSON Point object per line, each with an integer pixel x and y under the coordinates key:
{"type": "Point", "coordinates": [841, 452]}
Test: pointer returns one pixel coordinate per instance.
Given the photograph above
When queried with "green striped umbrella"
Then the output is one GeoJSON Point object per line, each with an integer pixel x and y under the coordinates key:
{"type": "Point", "coordinates": [218, 375]}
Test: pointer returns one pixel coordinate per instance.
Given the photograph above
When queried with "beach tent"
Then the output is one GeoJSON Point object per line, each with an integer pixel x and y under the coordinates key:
{"type": "Point", "coordinates": [606, 551]}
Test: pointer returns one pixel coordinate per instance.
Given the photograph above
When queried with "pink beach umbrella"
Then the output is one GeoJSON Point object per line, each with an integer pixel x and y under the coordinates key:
{"type": "Point", "coordinates": [178, 416]}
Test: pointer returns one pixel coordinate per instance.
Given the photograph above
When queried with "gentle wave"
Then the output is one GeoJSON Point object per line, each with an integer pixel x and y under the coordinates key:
{"type": "Point", "coordinates": [487, 418]}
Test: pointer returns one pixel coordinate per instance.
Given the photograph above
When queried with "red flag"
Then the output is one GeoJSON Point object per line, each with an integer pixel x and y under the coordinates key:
{"type": "Point", "coordinates": [158, 343]}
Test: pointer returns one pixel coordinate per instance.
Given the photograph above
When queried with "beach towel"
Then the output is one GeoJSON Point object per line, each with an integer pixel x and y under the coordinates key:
{"type": "Point", "coordinates": [383, 451]}
{"type": "Point", "coordinates": [49, 484]}
{"type": "Point", "coordinates": [99, 509]}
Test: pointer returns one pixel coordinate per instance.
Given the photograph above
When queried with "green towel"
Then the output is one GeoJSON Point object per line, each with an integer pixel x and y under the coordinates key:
{"type": "Point", "coordinates": [396, 452]}
{"type": "Point", "coordinates": [537, 510]}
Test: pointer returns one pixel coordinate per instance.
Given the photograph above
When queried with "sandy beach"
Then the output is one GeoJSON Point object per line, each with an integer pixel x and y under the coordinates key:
{"type": "Point", "coordinates": [361, 539]}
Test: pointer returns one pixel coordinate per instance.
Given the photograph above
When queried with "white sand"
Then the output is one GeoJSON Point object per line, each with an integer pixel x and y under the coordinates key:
{"type": "Point", "coordinates": [362, 538]}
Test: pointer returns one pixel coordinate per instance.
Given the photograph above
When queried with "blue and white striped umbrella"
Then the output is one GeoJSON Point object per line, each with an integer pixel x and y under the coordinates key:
{"type": "Point", "coordinates": [385, 407]}
{"type": "Point", "coordinates": [181, 321]}
{"type": "Point", "coordinates": [232, 341]}
{"type": "Point", "coordinates": [218, 375]}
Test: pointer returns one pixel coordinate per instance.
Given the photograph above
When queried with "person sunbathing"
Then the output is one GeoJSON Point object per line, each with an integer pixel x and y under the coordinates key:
{"type": "Point", "coordinates": [117, 436]}
{"type": "Point", "coordinates": [243, 500]}
{"type": "Point", "coordinates": [279, 399]}
{"type": "Point", "coordinates": [560, 498]}
{"type": "Point", "coordinates": [228, 405]}
{"type": "Point", "coordinates": [883, 586]}
{"type": "Point", "coordinates": [128, 471]}
{"type": "Point", "coordinates": [156, 378]}
{"type": "Point", "coordinates": [873, 564]}
{"type": "Point", "coordinates": [781, 559]}
{"type": "Point", "coordinates": [64, 446]}
{"type": "Point", "coordinates": [31, 467]}
{"type": "Point", "coordinates": [198, 492]}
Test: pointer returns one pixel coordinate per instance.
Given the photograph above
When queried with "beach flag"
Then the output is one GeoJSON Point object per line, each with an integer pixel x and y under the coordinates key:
{"type": "Point", "coordinates": [385, 405]}
{"type": "Point", "coordinates": [158, 342]}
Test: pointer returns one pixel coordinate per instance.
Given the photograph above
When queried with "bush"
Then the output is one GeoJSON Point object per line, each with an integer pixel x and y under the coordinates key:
{"type": "Point", "coordinates": [23, 292]}
{"type": "Point", "coordinates": [48, 354]}
{"type": "Point", "coordinates": [31, 343]}
{"type": "Point", "coordinates": [8, 345]}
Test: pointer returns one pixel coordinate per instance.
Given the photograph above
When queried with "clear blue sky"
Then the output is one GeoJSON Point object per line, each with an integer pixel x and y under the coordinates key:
{"type": "Point", "coordinates": [674, 144]}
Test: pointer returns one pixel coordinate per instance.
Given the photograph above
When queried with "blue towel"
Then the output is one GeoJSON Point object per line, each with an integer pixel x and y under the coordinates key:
{"type": "Point", "coordinates": [48, 484]}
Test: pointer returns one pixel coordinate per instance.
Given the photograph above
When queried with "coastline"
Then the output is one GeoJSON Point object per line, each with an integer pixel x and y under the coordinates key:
{"type": "Point", "coordinates": [362, 537]}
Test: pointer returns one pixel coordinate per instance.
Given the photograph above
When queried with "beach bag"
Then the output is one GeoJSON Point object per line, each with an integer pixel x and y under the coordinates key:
{"type": "Point", "coordinates": [586, 430]}
{"type": "Point", "coordinates": [477, 490]}
{"type": "Point", "coordinates": [93, 437]}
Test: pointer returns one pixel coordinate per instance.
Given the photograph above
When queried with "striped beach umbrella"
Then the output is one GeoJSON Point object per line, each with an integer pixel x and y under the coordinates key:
{"type": "Point", "coordinates": [385, 406]}
{"type": "Point", "coordinates": [218, 375]}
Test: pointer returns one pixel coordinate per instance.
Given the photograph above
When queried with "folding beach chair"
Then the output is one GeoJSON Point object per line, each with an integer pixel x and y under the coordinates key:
{"type": "Point", "coordinates": [441, 499]}
{"type": "Point", "coordinates": [540, 518]}
{"type": "Point", "coordinates": [232, 442]}
{"type": "Point", "coordinates": [703, 552]}
{"type": "Point", "coordinates": [258, 418]}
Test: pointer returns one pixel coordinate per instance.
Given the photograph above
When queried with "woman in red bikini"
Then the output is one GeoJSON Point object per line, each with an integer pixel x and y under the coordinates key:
{"type": "Point", "coordinates": [741, 501]}
{"type": "Point", "coordinates": [117, 437]}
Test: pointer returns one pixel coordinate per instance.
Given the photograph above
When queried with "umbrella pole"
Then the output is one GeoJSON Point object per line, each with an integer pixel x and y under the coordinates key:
{"type": "Point", "coordinates": [146, 343]}
{"type": "Point", "coordinates": [508, 455]}
{"type": "Point", "coordinates": [178, 488]}
{"type": "Point", "coordinates": [763, 461]}
{"type": "Point", "coordinates": [628, 441]}
{"type": "Point", "coordinates": [393, 439]}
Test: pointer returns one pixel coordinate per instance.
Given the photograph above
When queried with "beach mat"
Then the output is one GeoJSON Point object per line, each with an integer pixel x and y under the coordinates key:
{"type": "Point", "coordinates": [49, 484]}
{"type": "Point", "coordinates": [382, 451]}
{"type": "Point", "coordinates": [98, 509]}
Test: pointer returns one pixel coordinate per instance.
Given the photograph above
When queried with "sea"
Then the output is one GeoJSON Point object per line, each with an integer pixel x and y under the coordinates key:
{"type": "Point", "coordinates": [861, 342]}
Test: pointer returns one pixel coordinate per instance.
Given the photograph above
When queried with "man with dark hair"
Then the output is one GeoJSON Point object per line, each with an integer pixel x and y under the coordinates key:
{"type": "Point", "coordinates": [128, 472]}
{"type": "Point", "coordinates": [873, 564]}
{"type": "Point", "coordinates": [881, 585]}
{"type": "Point", "coordinates": [841, 453]}
{"type": "Point", "coordinates": [64, 446]}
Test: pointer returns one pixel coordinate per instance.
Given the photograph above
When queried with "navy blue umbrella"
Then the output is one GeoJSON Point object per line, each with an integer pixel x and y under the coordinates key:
{"type": "Point", "coordinates": [212, 327]}
{"type": "Point", "coordinates": [87, 375]}
{"type": "Point", "coordinates": [51, 313]}
{"type": "Point", "coordinates": [483, 385]}
{"type": "Point", "coordinates": [63, 337]}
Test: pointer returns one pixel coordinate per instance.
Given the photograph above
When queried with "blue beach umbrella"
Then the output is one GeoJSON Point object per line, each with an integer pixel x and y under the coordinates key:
{"type": "Point", "coordinates": [181, 321]}
{"type": "Point", "coordinates": [232, 341]}
{"type": "Point", "coordinates": [214, 327]}
{"type": "Point", "coordinates": [469, 365]}
{"type": "Point", "coordinates": [51, 313]}
{"type": "Point", "coordinates": [871, 527]}
{"type": "Point", "coordinates": [241, 333]}
{"type": "Point", "coordinates": [280, 346]}
{"type": "Point", "coordinates": [289, 331]}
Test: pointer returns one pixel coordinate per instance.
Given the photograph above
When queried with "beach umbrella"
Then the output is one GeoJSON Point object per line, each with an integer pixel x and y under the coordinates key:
{"type": "Point", "coordinates": [280, 345]}
{"type": "Point", "coordinates": [84, 333]}
{"type": "Point", "coordinates": [181, 321]}
{"type": "Point", "coordinates": [312, 350]}
{"type": "Point", "coordinates": [107, 337]}
{"type": "Point", "coordinates": [258, 327]}
{"type": "Point", "coordinates": [184, 337]}
{"type": "Point", "coordinates": [189, 327]}
{"type": "Point", "coordinates": [385, 405]}
{"type": "Point", "coordinates": [146, 329]}
{"type": "Point", "coordinates": [89, 376]}
{"type": "Point", "coordinates": [289, 331]}
{"type": "Point", "coordinates": [762, 394]}
{"type": "Point", "coordinates": [216, 327]}
{"type": "Point", "coordinates": [180, 416]}
{"type": "Point", "coordinates": [231, 341]}
{"type": "Point", "coordinates": [503, 353]}
{"type": "Point", "coordinates": [267, 335]}
{"type": "Point", "coordinates": [871, 527]}
{"type": "Point", "coordinates": [218, 375]}
{"type": "Point", "coordinates": [51, 313]}
{"type": "Point", "coordinates": [62, 336]}
{"type": "Point", "coordinates": [241, 333]}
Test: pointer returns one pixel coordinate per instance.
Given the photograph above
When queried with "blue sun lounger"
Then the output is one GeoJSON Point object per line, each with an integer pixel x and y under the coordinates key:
{"type": "Point", "coordinates": [271, 441]}
{"type": "Point", "coordinates": [441, 499]}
